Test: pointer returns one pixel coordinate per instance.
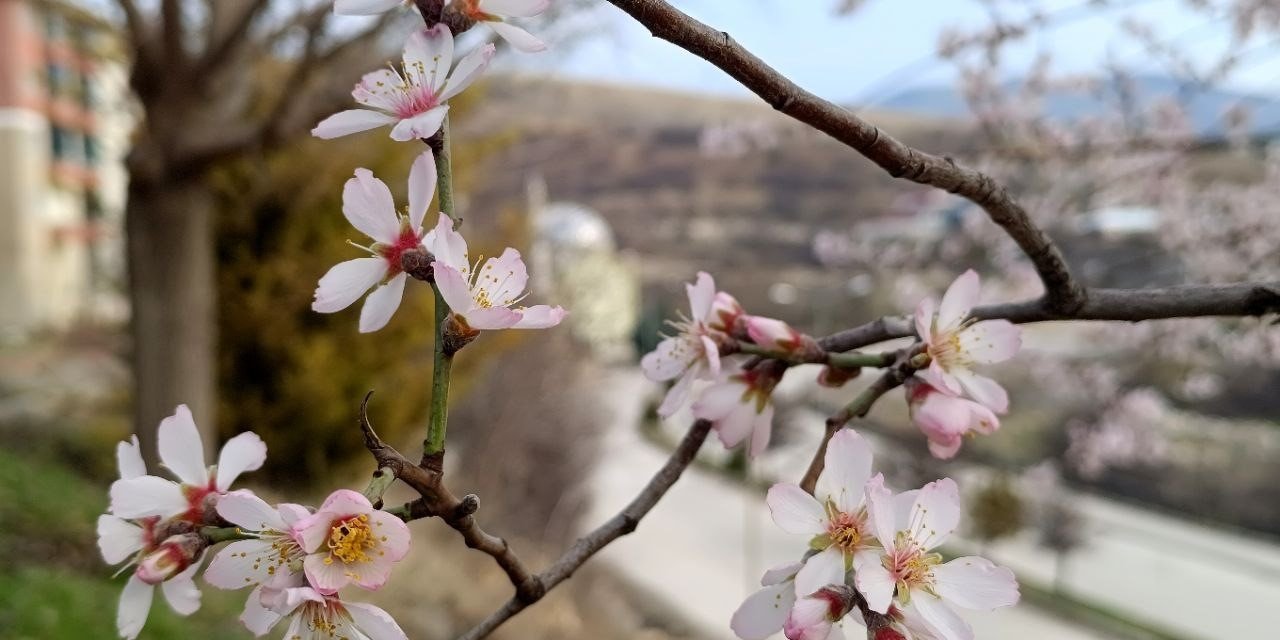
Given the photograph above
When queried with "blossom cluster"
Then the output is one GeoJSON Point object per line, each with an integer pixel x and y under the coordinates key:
{"type": "Point", "coordinates": [874, 549]}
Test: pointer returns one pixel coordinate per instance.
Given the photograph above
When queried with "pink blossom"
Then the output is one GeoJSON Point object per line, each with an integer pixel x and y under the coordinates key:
{"type": "Point", "coordinates": [764, 612]}
{"type": "Point", "coordinates": [777, 335]}
{"type": "Point", "coordinates": [483, 297]}
{"type": "Point", "coordinates": [274, 551]}
{"type": "Point", "coordinates": [135, 601]}
{"type": "Point", "coordinates": [945, 419]}
{"type": "Point", "coordinates": [491, 13]}
{"type": "Point", "coordinates": [835, 517]}
{"type": "Point", "coordinates": [314, 615]}
{"type": "Point", "coordinates": [725, 312]}
{"type": "Point", "coordinates": [739, 407]}
{"type": "Point", "coordinates": [691, 354]}
{"type": "Point", "coordinates": [907, 574]}
{"type": "Point", "coordinates": [955, 343]}
{"type": "Point", "coordinates": [814, 616]}
{"type": "Point", "coordinates": [182, 452]}
{"type": "Point", "coordinates": [414, 98]}
{"type": "Point", "coordinates": [369, 207]}
{"type": "Point", "coordinates": [348, 541]}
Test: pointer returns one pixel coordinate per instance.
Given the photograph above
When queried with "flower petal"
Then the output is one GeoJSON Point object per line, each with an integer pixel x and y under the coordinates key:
{"type": "Point", "coordinates": [940, 618]}
{"type": "Point", "coordinates": [924, 320]}
{"type": "Point", "coordinates": [940, 380]}
{"type": "Point", "coordinates": [382, 304]}
{"type": "Point", "coordinates": [247, 511]}
{"type": "Point", "coordinates": [991, 341]}
{"type": "Point", "coordinates": [874, 582]}
{"type": "Point", "coordinates": [678, 393]}
{"type": "Point", "coordinates": [761, 431]}
{"type": "Point", "coordinates": [422, 187]}
{"type": "Point", "coordinates": [936, 513]}
{"type": "Point", "coordinates": [428, 54]}
{"type": "Point", "coordinates": [846, 470]}
{"type": "Point", "coordinates": [702, 293]}
{"type": "Point", "coordinates": [518, 38]}
{"type": "Point", "coordinates": [515, 8]}
{"type": "Point", "coordinates": [181, 591]}
{"type": "Point", "coordinates": [181, 450]}
{"type": "Point", "coordinates": [503, 279]}
{"type": "Point", "coordinates": [780, 573]}
{"type": "Point", "coordinates": [763, 613]}
{"type": "Point", "coordinates": [986, 391]}
{"type": "Point", "coordinates": [351, 121]}
{"type": "Point", "coordinates": [735, 426]}
{"type": "Point", "coordinates": [825, 568]}
{"type": "Point", "coordinates": [326, 578]}
{"type": "Point", "coordinates": [710, 353]}
{"type": "Point", "coordinates": [960, 297]}
{"type": "Point", "coordinates": [669, 359]}
{"type": "Point", "coordinates": [880, 505]}
{"type": "Point", "coordinates": [378, 89]}
{"type": "Point", "coordinates": [147, 496]}
{"type": "Point", "coordinates": [448, 246]}
{"type": "Point", "coordinates": [421, 126]}
{"type": "Point", "coordinates": [118, 539]}
{"type": "Point", "coordinates": [257, 618]}
{"type": "Point", "coordinates": [540, 317]}
{"type": "Point", "coordinates": [244, 452]}
{"type": "Point", "coordinates": [976, 583]}
{"type": "Point", "coordinates": [242, 563]}
{"type": "Point", "coordinates": [468, 70]}
{"type": "Point", "coordinates": [135, 604]}
{"type": "Point", "coordinates": [394, 535]}
{"type": "Point", "coordinates": [129, 459]}
{"type": "Point", "coordinates": [346, 282]}
{"type": "Point", "coordinates": [369, 207]}
{"type": "Point", "coordinates": [374, 622]}
{"type": "Point", "coordinates": [364, 7]}
{"type": "Point", "coordinates": [492, 318]}
{"type": "Point", "coordinates": [795, 511]}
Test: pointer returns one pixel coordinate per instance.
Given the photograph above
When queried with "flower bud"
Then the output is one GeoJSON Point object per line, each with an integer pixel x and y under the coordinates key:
{"type": "Point", "coordinates": [172, 557]}
{"type": "Point", "coordinates": [812, 616]}
{"type": "Point", "coordinates": [725, 311]}
{"type": "Point", "coordinates": [835, 377]}
{"type": "Point", "coordinates": [417, 263]}
{"type": "Point", "coordinates": [457, 334]}
{"type": "Point", "coordinates": [780, 336]}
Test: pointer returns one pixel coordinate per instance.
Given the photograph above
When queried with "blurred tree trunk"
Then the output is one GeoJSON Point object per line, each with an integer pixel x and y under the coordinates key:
{"type": "Point", "coordinates": [171, 294]}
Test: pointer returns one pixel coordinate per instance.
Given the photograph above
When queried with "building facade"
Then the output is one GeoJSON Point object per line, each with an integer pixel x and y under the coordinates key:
{"type": "Point", "coordinates": [65, 121]}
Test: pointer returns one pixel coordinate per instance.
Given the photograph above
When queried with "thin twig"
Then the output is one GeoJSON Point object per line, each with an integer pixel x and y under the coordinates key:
{"type": "Point", "coordinates": [664, 21]}
{"type": "Point", "coordinates": [621, 524]}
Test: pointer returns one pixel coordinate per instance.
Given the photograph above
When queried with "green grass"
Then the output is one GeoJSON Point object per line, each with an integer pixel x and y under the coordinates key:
{"type": "Point", "coordinates": [53, 583]}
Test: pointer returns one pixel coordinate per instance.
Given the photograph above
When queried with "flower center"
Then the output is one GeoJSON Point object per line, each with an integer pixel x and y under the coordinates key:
{"type": "Point", "coordinates": [408, 241]}
{"type": "Point", "coordinates": [846, 530]}
{"type": "Point", "coordinates": [911, 566]}
{"type": "Point", "coordinates": [350, 539]}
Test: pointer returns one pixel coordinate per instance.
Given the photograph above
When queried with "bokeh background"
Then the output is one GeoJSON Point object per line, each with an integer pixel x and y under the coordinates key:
{"type": "Point", "coordinates": [165, 222]}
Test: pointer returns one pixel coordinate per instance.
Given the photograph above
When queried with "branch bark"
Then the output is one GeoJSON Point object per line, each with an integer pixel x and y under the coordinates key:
{"type": "Point", "coordinates": [1062, 292]}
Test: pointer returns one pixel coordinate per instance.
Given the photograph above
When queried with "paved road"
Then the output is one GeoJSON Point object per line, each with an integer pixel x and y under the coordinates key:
{"type": "Point", "coordinates": [704, 546]}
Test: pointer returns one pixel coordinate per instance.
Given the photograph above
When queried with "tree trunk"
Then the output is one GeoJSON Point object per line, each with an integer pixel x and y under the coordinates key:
{"type": "Point", "coordinates": [170, 242]}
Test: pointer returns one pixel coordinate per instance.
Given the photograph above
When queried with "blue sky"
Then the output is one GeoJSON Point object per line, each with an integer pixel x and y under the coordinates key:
{"type": "Point", "coordinates": [885, 45]}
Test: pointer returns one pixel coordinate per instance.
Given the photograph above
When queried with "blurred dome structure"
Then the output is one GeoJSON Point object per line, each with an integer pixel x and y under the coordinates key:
{"type": "Point", "coordinates": [575, 262]}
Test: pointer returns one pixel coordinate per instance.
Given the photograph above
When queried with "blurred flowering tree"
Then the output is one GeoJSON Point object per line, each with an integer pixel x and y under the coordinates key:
{"type": "Point", "coordinates": [867, 556]}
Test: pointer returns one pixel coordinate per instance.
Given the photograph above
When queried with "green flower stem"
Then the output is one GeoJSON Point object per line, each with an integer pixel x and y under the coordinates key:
{"type": "Point", "coordinates": [441, 362]}
{"type": "Point", "coordinates": [224, 534]}
{"type": "Point", "coordinates": [382, 479]}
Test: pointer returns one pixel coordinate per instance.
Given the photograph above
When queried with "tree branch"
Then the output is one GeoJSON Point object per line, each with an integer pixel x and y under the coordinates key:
{"type": "Point", "coordinates": [621, 524]}
{"type": "Point", "coordinates": [1129, 305]}
{"type": "Point", "coordinates": [1062, 292]}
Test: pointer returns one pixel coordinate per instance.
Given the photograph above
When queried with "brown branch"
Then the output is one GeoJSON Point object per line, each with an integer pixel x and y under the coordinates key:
{"type": "Point", "coordinates": [621, 524]}
{"type": "Point", "coordinates": [1128, 305]}
{"type": "Point", "coordinates": [173, 30]}
{"type": "Point", "coordinates": [1062, 292]}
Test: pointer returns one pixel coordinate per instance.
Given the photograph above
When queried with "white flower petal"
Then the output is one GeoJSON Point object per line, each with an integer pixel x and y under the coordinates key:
{"type": "Point", "coordinates": [374, 622]}
{"type": "Point", "coordinates": [540, 317]}
{"type": "Point", "coordinates": [249, 512]}
{"type": "Point", "coordinates": [257, 618]}
{"type": "Point", "coordinates": [422, 187]}
{"type": "Point", "coordinates": [503, 279]}
{"type": "Point", "coordinates": [135, 604]}
{"type": "Point", "coordinates": [369, 207]}
{"type": "Point", "coordinates": [181, 591]}
{"type": "Point", "coordinates": [880, 506]}
{"type": "Point", "coordinates": [874, 582]}
{"type": "Point", "coordinates": [147, 496]}
{"type": "Point", "coordinates": [735, 426]}
{"type": "Point", "coordinates": [780, 573]}
{"type": "Point", "coordinates": [181, 449]}
{"type": "Point", "coordinates": [242, 563]}
{"type": "Point", "coordinates": [242, 453]}
{"type": "Point", "coordinates": [846, 471]}
{"type": "Point", "coordinates": [518, 38]}
{"type": "Point", "coordinates": [940, 618]}
{"type": "Point", "coordinates": [468, 71]}
{"type": "Point", "coordinates": [936, 513]}
{"type": "Point", "coordinates": [702, 293]}
{"type": "Point", "coordinates": [351, 121]}
{"type": "Point", "coordinates": [678, 393]}
{"type": "Point", "coordinates": [960, 297]}
{"type": "Point", "coordinates": [795, 511]}
{"type": "Point", "coordinates": [428, 54]}
{"type": "Point", "coordinates": [761, 431]}
{"type": "Point", "coordinates": [448, 246]}
{"type": "Point", "coordinates": [763, 613]}
{"type": "Point", "coordinates": [821, 570]}
{"type": "Point", "coordinates": [453, 287]}
{"type": "Point", "coordinates": [924, 319]}
{"type": "Point", "coordinates": [118, 539]}
{"type": "Point", "coordinates": [986, 391]}
{"type": "Point", "coordinates": [423, 125]}
{"type": "Point", "coordinates": [129, 459]}
{"type": "Point", "coordinates": [381, 304]}
{"type": "Point", "coordinates": [515, 8]}
{"type": "Point", "coordinates": [492, 318]}
{"type": "Point", "coordinates": [346, 282]}
{"type": "Point", "coordinates": [976, 583]}
{"type": "Point", "coordinates": [991, 341]}
{"type": "Point", "coordinates": [670, 359]}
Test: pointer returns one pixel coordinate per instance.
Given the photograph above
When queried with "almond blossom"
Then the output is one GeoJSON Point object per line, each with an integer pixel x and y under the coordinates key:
{"type": "Point", "coordinates": [955, 342]}
{"type": "Point", "coordinates": [482, 297]}
{"type": "Point", "coordinates": [910, 576]}
{"type": "Point", "coordinates": [347, 541]}
{"type": "Point", "coordinates": [739, 407]}
{"type": "Point", "coordinates": [369, 207]}
{"type": "Point", "coordinates": [779, 336]}
{"type": "Point", "coordinates": [691, 354]}
{"type": "Point", "coordinates": [274, 551]}
{"type": "Point", "coordinates": [182, 453]}
{"type": "Point", "coordinates": [414, 98]}
{"type": "Point", "coordinates": [725, 312]}
{"type": "Point", "coordinates": [945, 419]}
{"type": "Point", "coordinates": [492, 12]}
{"type": "Point", "coordinates": [316, 616]}
{"type": "Point", "coordinates": [835, 517]}
{"type": "Point", "coordinates": [817, 616]}
{"type": "Point", "coordinates": [120, 539]}
{"type": "Point", "coordinates": [764, 612]}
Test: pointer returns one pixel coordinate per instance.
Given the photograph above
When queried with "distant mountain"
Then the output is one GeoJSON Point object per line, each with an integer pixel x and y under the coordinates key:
{"type": "Point", "coordinates": [1206, 106]}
